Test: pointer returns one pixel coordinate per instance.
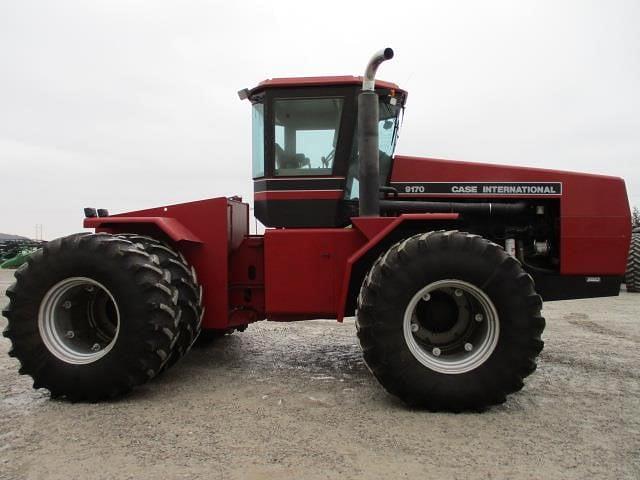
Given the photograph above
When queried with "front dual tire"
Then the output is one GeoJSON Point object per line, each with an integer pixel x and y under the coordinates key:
{"type": "Point", "coordinates": [92, 316]}
{"type": "Point", "coordinates": [449, 321]}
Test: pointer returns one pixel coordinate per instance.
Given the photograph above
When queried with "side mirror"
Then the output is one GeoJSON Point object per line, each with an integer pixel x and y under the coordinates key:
{"type": "Point", "coordinates": [243, 94]}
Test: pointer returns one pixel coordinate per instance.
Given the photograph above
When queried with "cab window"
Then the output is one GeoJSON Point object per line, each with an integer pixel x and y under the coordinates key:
{"type": "Point", "coordinates": [257, 140]}
{"type": "Point", "coordinates": [306, 135]}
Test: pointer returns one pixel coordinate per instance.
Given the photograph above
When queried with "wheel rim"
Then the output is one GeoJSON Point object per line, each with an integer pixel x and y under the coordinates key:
{"type": "Point", "coordinates": [451, 326]}
{"type": "Point", "coordinates": [79, 320]}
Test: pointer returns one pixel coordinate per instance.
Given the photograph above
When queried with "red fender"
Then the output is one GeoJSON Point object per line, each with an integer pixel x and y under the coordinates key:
{"type": "Point", "coordinates": [171, 227]}
{"type": "Point", "coordinates": [204, 231]}
{"type": "Point", "coordinates": [376, 229]}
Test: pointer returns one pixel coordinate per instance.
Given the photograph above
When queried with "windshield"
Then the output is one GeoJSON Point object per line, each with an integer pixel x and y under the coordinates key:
{"type": "Point", "coordinates": [388, 128]}
{"type": "Point", "coordinates": [388, 125]}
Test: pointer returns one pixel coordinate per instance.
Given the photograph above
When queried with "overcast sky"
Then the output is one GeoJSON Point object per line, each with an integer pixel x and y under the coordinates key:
{"type": "Point", "coordinates": [131, 104]}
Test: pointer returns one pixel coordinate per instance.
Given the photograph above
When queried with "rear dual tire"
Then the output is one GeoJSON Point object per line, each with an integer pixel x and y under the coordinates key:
{"type": "Point", "coordinates": [92, 316]}
{"type": "Point", "coordinates": [449, 321]}
{"type": "Point", "coordinates": [183, 278]}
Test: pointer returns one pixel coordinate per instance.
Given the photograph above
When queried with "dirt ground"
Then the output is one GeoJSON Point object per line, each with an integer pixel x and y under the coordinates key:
{"type": "Point", "coordinates": [296, 401]}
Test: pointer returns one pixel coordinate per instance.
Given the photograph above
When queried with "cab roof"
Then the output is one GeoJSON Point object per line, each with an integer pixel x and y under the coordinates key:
{"type": "Point", "coordinates": [318, 82]}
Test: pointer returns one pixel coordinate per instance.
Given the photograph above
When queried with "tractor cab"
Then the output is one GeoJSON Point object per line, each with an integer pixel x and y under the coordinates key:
{"type": "Point", "coordinates": [305, 154]}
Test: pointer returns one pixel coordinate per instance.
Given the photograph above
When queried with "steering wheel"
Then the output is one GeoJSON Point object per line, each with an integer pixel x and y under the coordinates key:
{"type": "Point", "coordinates": [326, 161]}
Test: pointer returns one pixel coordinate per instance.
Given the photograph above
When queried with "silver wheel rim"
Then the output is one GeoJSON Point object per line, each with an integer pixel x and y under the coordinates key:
{"type": "Point", "coordinates": [467, 337]}
{"type": "Point", "coordinates": [79, 321]}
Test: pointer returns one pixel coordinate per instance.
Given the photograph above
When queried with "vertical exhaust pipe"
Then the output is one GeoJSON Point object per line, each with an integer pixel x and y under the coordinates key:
{"type": "Point", "coordinates": [368, 114]}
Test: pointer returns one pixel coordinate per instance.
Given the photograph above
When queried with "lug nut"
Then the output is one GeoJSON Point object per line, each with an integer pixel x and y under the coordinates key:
{"type": "Point", "coordinates": [70, 334]}
{"type": "Point", "coordinates": [436, 352]}
{"type": "Point", "coordinates": [458, 292]}
{"type": "Point", "coordinates": [66, 304]}
{"type": "Point", "coordinates": [426, 297]}
{"type": "Point", "coordinates": [479, 317]}
{"type": "Point", "coordinates": [415, 327]}
{"type": "Point", "coordinates": [95, 347]}
{"type": "Point", "coordinates": [468, 347]}
{"type": "Point", "coordinates": [89, 288]}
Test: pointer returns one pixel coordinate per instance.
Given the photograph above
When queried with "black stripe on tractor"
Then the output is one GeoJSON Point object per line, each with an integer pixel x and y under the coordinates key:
{"type": "Point", "coordinates": [554, 286]}
{"type": "Point", "coordinates": [479, 188]}
{"type": "Point", "coordinates": [272, 185]}
{"type": "Point", "coordinates": [296, 213]}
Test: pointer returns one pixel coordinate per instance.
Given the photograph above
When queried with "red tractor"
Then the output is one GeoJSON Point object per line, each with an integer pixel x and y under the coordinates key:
{"type": "Point", "coordinates": [445, 264]}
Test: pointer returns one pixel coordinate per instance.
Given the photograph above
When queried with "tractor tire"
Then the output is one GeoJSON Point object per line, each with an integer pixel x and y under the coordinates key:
{"type": "Point", "coordinates": [184, 279]}
{"type": "Point", "coordinates": [449, 321]}
{"type": "Point", "coordinates": [91, 316]}
{"type": "Point", "coordinates": [632, 275]}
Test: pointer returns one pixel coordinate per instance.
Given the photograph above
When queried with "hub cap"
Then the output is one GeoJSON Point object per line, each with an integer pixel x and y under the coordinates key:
{"type": "Point", "coordinates": [79, 320]}
{"type": "Point", "coordinates": [451, 326]}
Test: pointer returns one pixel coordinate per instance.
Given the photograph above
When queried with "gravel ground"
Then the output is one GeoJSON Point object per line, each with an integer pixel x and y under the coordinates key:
{"type": "Point", "coordinates": [296, 401]}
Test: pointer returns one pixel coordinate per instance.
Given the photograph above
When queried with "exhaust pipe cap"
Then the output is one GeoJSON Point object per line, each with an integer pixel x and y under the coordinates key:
{"type": "Point", "coordinates": [369, 79]}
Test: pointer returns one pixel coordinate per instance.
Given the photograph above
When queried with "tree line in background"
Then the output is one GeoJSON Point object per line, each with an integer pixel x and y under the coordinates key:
{"type": "Point", "coordinates": [635, 217]}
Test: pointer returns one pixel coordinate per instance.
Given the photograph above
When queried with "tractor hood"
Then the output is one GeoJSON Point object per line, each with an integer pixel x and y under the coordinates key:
{"type": "Point", "coordinates": [580, 193]}
{"type": "Point", "coordinates": [594, 209]}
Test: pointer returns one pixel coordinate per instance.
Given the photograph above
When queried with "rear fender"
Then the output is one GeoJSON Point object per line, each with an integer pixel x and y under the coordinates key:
{"type": "Point", "coordinates": [206, 232]}
{"type": "Point", "coordinates": [169, 227]}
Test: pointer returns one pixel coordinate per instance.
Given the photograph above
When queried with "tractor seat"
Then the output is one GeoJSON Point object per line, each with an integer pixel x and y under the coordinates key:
{"type": "Point", "coordinates": [289, 161]}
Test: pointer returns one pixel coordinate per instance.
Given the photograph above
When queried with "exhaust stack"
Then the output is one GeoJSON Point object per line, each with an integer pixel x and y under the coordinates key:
{"type": "Point", "coordinates": [368, 114]}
